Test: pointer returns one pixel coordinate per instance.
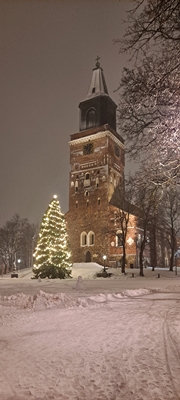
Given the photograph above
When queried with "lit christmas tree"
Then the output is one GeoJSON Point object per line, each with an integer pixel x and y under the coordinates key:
{"type": "Point", "coordinates": [52, 253]}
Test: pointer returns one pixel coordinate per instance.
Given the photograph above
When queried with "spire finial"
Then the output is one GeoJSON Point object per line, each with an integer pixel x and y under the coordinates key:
{"type": "Point", "coordinates": [97, 61]}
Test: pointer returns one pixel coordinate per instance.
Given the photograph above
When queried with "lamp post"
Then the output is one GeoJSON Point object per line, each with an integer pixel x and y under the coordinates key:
{"type": "Point", "coordinates": [19, 260]}
{"type": "Point", "coordinates": [176, 256]}
{"type": "Point", "coordinates": [104, 258]}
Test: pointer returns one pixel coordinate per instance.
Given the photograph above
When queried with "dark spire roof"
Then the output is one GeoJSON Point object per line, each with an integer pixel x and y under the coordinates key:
{"type": "Point", "coordinates": [98, 84]}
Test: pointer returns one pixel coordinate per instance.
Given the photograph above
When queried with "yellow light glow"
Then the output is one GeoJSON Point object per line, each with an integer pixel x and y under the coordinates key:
{"type": "Point", "coordinates": [55, 196]}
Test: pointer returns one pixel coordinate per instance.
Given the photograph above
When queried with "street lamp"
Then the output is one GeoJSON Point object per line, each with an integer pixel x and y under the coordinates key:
{"type": "Point", "coordinates": [104, 258]}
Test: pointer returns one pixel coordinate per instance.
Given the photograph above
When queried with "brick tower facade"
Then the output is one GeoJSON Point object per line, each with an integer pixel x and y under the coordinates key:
{"type": "Point", "coordinates": [97, 167]}
{"type": "Point", "coordinates": [96, 175]}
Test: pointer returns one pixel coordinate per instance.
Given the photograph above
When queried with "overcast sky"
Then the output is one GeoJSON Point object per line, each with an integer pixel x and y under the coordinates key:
{"type": "Point", "coordinates": [48, 51]}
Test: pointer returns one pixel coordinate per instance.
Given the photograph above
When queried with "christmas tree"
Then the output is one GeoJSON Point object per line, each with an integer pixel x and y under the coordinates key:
{"type": "Point", "coordinates": [52, 253]}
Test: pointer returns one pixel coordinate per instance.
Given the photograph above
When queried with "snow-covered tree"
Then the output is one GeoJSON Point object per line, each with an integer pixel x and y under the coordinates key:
{"type": "Point", "coordinates": [16, 240]}
{"type": "Point", "coordinates": [149, 91]}
{"type": "Point", "coordinates": [52, 254]}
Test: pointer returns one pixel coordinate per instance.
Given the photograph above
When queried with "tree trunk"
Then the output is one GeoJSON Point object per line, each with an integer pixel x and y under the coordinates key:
{"type": "Point", "coordinates": [123, 261]}
{"type": "Point", "coordinates": [141, 264]}
{"type": "Point", "coordinates": [173, 247]}
{"type": "Point", "coordinates": [141, 273]}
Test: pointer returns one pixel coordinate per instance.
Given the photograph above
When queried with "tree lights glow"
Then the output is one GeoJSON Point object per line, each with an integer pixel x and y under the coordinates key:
{"type": "Point", "coordinates": [52, 254]}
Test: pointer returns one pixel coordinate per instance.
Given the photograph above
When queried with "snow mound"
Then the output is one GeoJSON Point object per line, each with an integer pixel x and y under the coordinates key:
{"type": "Point", "coordinates": [42, 300]}
{"type": "Point", "coordinates": [135, 293]}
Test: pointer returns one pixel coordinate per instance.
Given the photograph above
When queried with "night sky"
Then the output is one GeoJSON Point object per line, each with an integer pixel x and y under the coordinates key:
{"type": "Point", "coordinates": [48, 51]}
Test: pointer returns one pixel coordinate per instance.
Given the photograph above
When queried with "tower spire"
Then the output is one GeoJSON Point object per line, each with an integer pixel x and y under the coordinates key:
{"type": "Point", "coordinates": [97, 108]}
{"type": "Point", "coordinates": [97, 85]}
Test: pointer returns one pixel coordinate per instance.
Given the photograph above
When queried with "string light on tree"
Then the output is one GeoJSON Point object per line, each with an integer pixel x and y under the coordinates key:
{"type": "Point", "coordinates": [52, 252]}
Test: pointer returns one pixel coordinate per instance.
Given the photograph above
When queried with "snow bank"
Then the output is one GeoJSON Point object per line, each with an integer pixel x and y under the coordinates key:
{"type": "Point", "coordinates": [42, 300]}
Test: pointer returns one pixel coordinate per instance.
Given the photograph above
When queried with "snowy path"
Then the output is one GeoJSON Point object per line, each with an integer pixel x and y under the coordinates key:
{"type": "Point", "coordinates": [122, 348]}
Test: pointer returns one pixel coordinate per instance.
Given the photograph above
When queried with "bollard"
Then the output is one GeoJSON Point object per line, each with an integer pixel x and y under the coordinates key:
{"type": "Point", "coordinates": [158, 275]}
{"type": "Point", "coordinates": [132, 275]}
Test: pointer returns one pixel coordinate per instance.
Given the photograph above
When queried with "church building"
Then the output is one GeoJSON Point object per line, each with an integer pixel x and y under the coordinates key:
{"type": "Point", "coordinates": [96, 169]}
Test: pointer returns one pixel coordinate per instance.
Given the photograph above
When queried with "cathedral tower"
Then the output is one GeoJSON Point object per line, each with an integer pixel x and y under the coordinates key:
{"type": "Point", "coordinates": [97, 167]}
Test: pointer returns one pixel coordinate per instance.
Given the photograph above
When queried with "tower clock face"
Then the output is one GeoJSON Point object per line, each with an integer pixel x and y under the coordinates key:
{"type": "Point", "coordinates": [88, 148]}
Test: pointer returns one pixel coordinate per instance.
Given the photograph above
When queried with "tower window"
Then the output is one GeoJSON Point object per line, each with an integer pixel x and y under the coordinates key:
{"type": "Point", "coordinates": [86, 193]}
{"type": "Point", "coordinates": [91, 238]}
{"type": "Point", "coordinates": [83, 239]}
{"type": "Point", "coordinates": [76, 186]}
{"type": "Point", "coordinates": [91, 118]}
{"type": "Point", "coordinates": [76, 204]}
{"type": "Point", "coordinates": [99, 201]}
{"type": "Point", "coordinates": [87, 181]}
{"type": "Point", "coordinates": [87, 203]}
{"type": "Point", "coordinates": [97, 182]}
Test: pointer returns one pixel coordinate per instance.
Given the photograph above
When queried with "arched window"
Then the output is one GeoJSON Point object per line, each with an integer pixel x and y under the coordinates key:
{"type": "Point", "coordinates": [87, 181]}
{"type": "Point", "coordinates": [97, 182]}
{"type": "Point", "coordinates": [91, 117]}
{"type": "Point", "coordinates": [76, 186]}
{"type": "Point", "coordinates": [99, 201]}
{"type": "Point", "coordinates": [119, 239]}
{"type": "Point", "coordinates": [91, 238]}
{"type": "Point", "coordinates": [83, 239]}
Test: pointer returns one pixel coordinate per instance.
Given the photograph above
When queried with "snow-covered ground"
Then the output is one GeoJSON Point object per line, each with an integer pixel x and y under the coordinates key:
{"type": "Point", "coordinates": [90, 339]}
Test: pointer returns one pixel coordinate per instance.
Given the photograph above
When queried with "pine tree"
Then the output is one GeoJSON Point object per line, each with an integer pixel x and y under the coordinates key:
{"type": "Point", "coordinates": [52, 253]}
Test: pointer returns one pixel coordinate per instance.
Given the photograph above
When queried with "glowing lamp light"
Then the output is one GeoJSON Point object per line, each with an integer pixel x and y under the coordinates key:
{"type": "Point", "coordinates": [55, 196]}
{"type": "Point", "coordinates": [104, 258]}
